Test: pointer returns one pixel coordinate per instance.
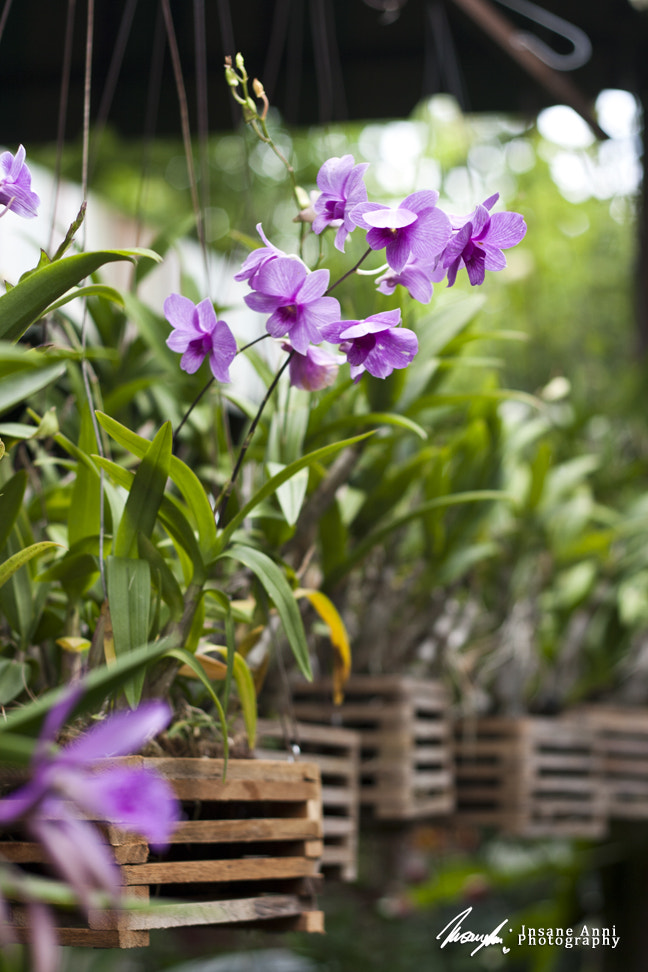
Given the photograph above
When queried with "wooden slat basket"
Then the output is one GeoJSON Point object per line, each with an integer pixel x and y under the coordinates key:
{"type": "Point", "coordinates": [247, 852]}
{"type": "Point", "coordinates": [405, 741]}
{"type": "Point", "coordinates": [621, 738]}
{"type": "Point", "coordinates": [337, 753]}
{"type": "Point", "coordinates": [529, 777]}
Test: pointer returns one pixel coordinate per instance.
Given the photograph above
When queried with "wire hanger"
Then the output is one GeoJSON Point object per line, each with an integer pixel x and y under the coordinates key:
{"type": "Point", "coordinates": [582, 47]}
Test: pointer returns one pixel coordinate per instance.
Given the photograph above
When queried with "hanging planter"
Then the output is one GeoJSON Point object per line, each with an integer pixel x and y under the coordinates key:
{"type": "Point", "coordinates": [621, 739]}
{"type": "Point", "coordinates": [336, 752]}
{"type": "Point", "coordinates": [247, 852]}
{"type": "Point", "coordinates": [529, 777]}
{"type": "Point", "coordinates": [405, 740]}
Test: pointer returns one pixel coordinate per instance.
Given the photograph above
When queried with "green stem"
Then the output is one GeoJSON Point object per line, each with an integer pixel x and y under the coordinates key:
{"type": "Point", "coordinates": [349, 272]}
{"type": "Point", "coordinates": [221, 506]}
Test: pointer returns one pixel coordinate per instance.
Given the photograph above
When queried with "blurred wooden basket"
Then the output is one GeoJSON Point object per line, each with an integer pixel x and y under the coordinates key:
{"type": "Point", "coordinates": [529, 776]}
{"type": "Point", "coordinates": [621, 739]}
{"type": "Point", "coordinates": [247, 852]}
{"type": "Point", "coordinates": [405, 741]}
{"type": "Point", "coordinates": [337, 753]}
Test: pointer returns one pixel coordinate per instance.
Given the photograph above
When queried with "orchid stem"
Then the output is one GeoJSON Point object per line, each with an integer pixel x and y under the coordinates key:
{"type": "Point", "coordinates": [221, 506]}
{"type": "Point", "coordinates": [207, 386]}
{"type": "Point", "coordinates": [349, 272]}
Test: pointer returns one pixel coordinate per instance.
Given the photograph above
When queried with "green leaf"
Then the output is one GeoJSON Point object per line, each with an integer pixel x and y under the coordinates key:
{"type": "Point", "coordinates": [276, 481]}
{"type": "Point", "coordinates": [25, 303]}
{"type": "Point", "coordinates": [17, 387]}
{"type": "Point", "coordinates": [129, 596]}
{"type": "Point", "coordinates": [184, 478]}
{"type": "Point", "coordinates": [11, 497]}
{"type": "Point", "coordinates": [168, 585]}
{"type": "Point", "coordinates": [374, 418]}
{"type": "Point", "coordinates": [186, 656]}
{"type": "Point", "coordinates": [379, 536]}
{"type": "Point", "coordinates": [98, 685]}
{"type": "Point", "coordinates": [12, 680]}
{"type": "Point", "coordinates": [18, 560]}
{"type": "Point", "coordinates": [145, 495]}
{"type": "Point", "coordinates": [291, 494]}
{"type": "Point", "coordinates": [85, 502]}
{"type": "Point", "coordinates": [171, 516]}
{"type": "Point", "coordinates": [281, 594]}
{"type": "Point", "coordinates": [92, 290]}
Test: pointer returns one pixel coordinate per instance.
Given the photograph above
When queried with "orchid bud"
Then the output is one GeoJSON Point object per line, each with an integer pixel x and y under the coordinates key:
{"type": "Point", "coordinates": [230, 76]}
{"type": "Point", "coordinates": [303, 198]}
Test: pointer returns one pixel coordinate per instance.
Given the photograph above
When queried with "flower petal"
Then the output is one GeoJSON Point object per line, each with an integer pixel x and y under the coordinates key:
{"type": "Point", "coordinates": [119, 734]}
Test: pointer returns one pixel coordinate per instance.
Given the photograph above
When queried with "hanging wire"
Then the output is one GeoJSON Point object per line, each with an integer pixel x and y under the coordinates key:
{"type": "Point", "coordinates": [3, 18]}
{"type": "Point", "coordinates": [276, 44]}
{"type": "Point", "coordinates": [151, 112]}
{"type": "Point", "coordinates": [114, 68]}
{"type": "Point", "coordinates": [202, 108]}
{"type": "Point", "coordinates": [62, 113]}
{"type": "Point", "coordinates": [582, 47]}
{"type": "Point", "coordinates": [447, 76]}
{"type": "Point", "coordinates": [186, 132]}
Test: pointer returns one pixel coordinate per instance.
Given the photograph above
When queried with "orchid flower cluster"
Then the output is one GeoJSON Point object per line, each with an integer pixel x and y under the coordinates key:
{"type": "Point", "coordinates": [422, 246]}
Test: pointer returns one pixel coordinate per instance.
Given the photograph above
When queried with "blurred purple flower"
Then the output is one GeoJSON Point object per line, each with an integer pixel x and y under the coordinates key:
{"type": "Point", "coordinates": [197, 335]}
{"type": "Point", "coordinates": [414, 229]}
{"type": "Point", "coordinates": [375, 345]}
{"type": "Point", "coordinates": [15, 185]}
{"type": "Point", "coordinates": [314, 370]}
{"type": "Point", "coordinates": [69, 789]}
{"type": "Point", "coordinates": [295, 299]}
{"type": "Point", "coordinates": [478, 242]}
{"type": "Point", "coordinates": [416, 276]}
{"type": "Point", "coordinates": [258, 259]}
{"type": "Point", "coordinates": [342, 188]}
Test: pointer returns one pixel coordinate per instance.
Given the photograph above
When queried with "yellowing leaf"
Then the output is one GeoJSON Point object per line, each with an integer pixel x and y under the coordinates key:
{"type": "Point", "coordinates": [74, 644]}
{"type": "Point", "coordinates": [215, 669]}
{"type": "Point", "coordinates": [338, 635]}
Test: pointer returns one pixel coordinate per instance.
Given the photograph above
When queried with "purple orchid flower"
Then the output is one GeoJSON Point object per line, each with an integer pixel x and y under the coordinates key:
{"type": "Point", "coordinates": [375, 345]}
{"type": "Point", "coordinates": [478, 242]}
{"type": "Point", "coordinates": [258, 259]}
{"type": "Point", "coordinates": [197, 335]}
{"type": "Point", "coordinates": [16, 193]}
{"type": "Point", "coordinates": [295, 299]}
{"type": "Point", "coordinates": [342, 189]}
{"type": "Point", "coordinates": [314, 370]}
{"type": "Point", "coordinates": [70, 789]}
{"type": "Point", "coordinates": [414, 229]}
{"type": "Point", "coordinates": [416, 276]}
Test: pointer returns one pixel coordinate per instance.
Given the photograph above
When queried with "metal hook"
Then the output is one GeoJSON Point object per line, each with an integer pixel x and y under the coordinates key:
{"type": "Point", "coordinates": [563, 28]}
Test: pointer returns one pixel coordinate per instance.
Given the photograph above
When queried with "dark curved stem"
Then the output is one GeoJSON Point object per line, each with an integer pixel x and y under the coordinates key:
{"type": "Point", "coordinates": [191, 408]}
{"type": "Point", "coordinates": [207, 386]}
{"type": "Point", "coordinates": [221, 506]}
{"type": "Point", "coordinates": [349, 272]}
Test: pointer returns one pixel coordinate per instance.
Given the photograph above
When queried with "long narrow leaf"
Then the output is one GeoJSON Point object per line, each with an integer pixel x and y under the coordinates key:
{"type": "Point", "coordinates": [146, 493]}
{"type": "Point", "coordinates": [282, 596]}
{"type": "Point", "coordinates": [185, 479]}
{"type": "Point", "coordinates": [189, 659]}
{"type": "Point", "coordinates": [25, 303]}
{"type": "Point", "coordinates": [276, 481]}
{"type": "Point", "coordinates": [379, 536]}
{"type": "Point", "coordinates": [98, 685]}
{"type": "Point", "coordinates": [18, 560]}
{"type": "Point", "coordinates": [129, 596]}
{"type": "Point", "coordinates": [11, 497]}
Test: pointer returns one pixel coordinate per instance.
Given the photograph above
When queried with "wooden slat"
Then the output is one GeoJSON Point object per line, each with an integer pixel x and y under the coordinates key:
{"type": "Point", "coordinates": [246, 831]}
